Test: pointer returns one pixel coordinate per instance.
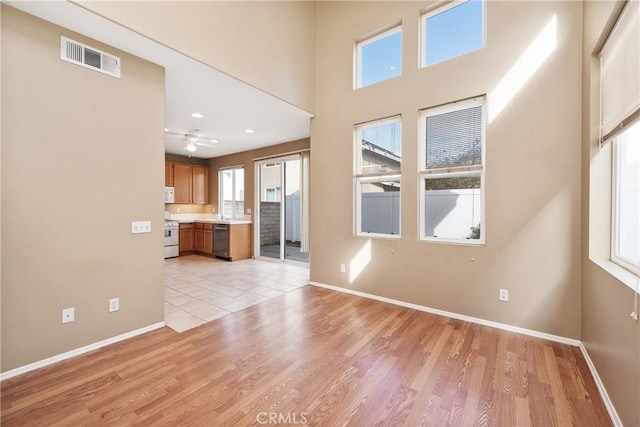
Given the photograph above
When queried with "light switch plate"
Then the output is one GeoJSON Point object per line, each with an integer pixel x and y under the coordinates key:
{"type": "Point", "coordinates": [138, 227]}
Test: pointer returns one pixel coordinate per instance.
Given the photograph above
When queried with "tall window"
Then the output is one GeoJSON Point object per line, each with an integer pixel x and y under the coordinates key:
{"type": "Point", "coordinates": [620, 123]}
{"type": "Point", "coordinates": [452, 172]}
{"type": "Point", "coordinates": [231, 193]}
{"type": "Point", "coordinates": [379, 58]}
{"type": "Point", "coordinates": [626, 198]}
{"type": "Point", "coordinates": [452, 30]}
{"type": "Point", "coordinates": [377, 177]}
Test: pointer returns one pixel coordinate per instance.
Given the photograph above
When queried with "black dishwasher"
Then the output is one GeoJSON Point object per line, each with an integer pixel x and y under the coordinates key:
{"type": "Point", "coordinates": [221, 241]}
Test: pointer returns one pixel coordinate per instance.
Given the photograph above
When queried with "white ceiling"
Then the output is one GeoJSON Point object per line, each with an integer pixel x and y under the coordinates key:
{"type": "Point", "coordinates": [229, 106]}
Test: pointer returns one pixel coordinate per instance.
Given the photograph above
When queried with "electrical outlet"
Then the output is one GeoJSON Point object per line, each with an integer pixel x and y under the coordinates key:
{"type": "Point", "coordinates": [114, 304]}
{"type": "Point", "coordinates": [68, 315]}
{"type": "Point", "coordinates": [343, 268]}
{"type": "Point", "coordinates": [138, 227]}
{"type": "Point", "coordinates": [504, 295]}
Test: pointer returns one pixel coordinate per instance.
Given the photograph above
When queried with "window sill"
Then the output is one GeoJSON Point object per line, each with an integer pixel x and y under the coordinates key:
{"type": "Point", "coordinates": [379, 236]}
{"type": "Point", "coordinates": [460, 242]}
{"type": "Point", "coordinates": [621, 274]}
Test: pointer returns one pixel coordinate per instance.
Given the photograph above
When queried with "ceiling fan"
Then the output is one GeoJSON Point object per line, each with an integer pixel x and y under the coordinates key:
{"type": "Point", "coordinates": [193, 139]}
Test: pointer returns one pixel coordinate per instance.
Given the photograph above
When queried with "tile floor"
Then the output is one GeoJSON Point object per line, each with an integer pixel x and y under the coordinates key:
{"type": "Point", "coordinates": [198, 289]}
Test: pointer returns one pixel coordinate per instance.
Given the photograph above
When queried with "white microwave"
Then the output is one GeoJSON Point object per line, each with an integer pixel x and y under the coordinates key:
{"type": "Point", "coordinates": [169, 195]}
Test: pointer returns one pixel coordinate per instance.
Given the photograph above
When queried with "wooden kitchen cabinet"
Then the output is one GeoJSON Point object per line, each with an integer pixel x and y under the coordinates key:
{"type": "Point", "coordinates": [208, 239]}
{"type": "Point", "coordinates": [239, 241]}
{"type": "Point", "coordinates": [203, 238]}
{"type": "Point", "coordinates": [182, 182]}
{"type": "Point", "coordinates": [200, 187]}
{"type": "Point", "coordinates": [168, 174]}
{"type": "Point", "coordinates": [198, 237]}
{"type": "Point", "coordinates": [191, 183]}
{"type": "Point", "coordinates": [186, 239]}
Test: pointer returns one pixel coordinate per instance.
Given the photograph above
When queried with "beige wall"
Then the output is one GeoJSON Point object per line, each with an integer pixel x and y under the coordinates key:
{"type": "Point", "coordinates": [81, 158]}
{"type": "Point", "coordinates": [267, 44]}
{"type": "Point", "coordinates": [533, 240]}
{"type": "Point", "coordinates": [611, 337]}
{"type": "Point", "coordinates": [246, 159]}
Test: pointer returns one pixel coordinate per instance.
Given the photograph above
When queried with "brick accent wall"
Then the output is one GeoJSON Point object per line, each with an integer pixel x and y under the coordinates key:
{"type": "Point", "coordinates": [269, 223]}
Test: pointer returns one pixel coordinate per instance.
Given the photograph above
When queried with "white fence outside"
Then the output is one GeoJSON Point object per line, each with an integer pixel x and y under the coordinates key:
{"type": "Point", "coordinates": [452, 213]}
{"type": "Point", "coordinates": [380, 212]}
{"type": "Point", "coordinates": [449, 213]}
{"type": "Point", "coordinates": [292, 215]}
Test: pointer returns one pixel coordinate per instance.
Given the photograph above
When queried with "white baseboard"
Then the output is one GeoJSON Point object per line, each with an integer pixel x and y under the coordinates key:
{"type": "Point", "coordinates": [615, 419]}
{"type": "Point", "coordinates": [543, 335]}
{"type": "Point", "coordinates": [87, 348]}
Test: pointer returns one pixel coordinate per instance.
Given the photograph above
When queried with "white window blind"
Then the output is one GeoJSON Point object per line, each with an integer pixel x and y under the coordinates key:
{"type": "Point", "coordinates": [620, 72]}
{"type": "Point", "coordinates": [454, 138]}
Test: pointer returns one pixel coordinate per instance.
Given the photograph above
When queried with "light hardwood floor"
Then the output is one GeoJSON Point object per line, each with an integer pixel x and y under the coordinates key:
{"type": "Point", "coordinates": [318, 357]}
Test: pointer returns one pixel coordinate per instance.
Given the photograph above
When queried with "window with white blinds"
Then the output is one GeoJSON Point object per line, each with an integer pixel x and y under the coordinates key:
{"type": "Point", "coordinates": [451, 190]}
{"type": "Point", "coordinates": [620, 72]}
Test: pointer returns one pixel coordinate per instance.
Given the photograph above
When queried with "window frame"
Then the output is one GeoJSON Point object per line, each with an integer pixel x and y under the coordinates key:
{"type": "Point", "coordinates": [425, 173]}
{"type": "Point", "coordinates": [232, 169]}
{"type": "Point", "coordinates": [357, 66]}
{"type": "Point", "coordinates": [360, 178]}
{"type": "Point", "coordinates": [422, 63]}
{"type": "Point", "coordinates": [615, 202]}
{"type": "Point", "coordinates": [276, 192]}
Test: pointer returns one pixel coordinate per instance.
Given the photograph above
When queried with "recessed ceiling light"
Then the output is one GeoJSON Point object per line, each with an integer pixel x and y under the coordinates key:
{"type": "Point", "coordinates": [248, 130]}
{"type": "Point", "coordinates": [197, 115]}
{"type": "Point", "coordinates": [214, 140]}
{"type": "Point", "coordinates": [166, 129]}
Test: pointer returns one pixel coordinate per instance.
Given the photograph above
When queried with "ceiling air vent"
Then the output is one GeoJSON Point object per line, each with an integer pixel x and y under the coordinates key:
{"type": "Point", "coordinates": [88, 57]}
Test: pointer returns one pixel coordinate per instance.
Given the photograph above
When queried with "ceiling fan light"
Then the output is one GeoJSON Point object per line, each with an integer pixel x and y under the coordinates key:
{"type": "Point", "coordinates": [191, 147]}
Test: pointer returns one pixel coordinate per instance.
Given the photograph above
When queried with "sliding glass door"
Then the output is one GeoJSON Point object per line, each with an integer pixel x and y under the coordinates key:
{"type": "Point", "coordinates": [281, 200]}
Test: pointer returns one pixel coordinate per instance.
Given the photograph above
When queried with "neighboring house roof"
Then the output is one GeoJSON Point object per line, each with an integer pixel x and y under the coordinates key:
{"type": "Point", "coordinates": [369, 146]}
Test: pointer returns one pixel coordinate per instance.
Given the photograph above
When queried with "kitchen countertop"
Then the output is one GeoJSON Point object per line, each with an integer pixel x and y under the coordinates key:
{"type": "Point", "coordinates": [187, 218]}
{"type": "Point", "coordinates": [215, 221]}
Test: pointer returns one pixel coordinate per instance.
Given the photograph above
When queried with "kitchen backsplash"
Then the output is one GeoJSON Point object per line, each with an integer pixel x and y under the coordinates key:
{"type": "Point", "coordinates": [187, 209]}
